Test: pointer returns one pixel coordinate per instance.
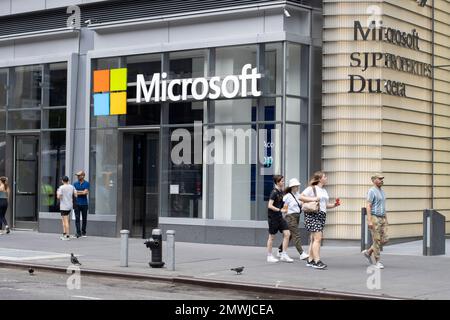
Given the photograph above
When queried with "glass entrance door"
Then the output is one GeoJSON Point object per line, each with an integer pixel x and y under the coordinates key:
{"type": "Point", "coordinates": [26, 164]}
{"type": "Point", "coordinates": [143, 186]}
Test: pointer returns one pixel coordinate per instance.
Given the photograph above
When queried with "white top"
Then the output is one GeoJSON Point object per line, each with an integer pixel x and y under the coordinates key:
{"type": "Point", "coordinates": [292, 204]}
{"type": "Point", "coordinates": [67, 191]}
{"type": "Point", "coordinates": [322, 193]}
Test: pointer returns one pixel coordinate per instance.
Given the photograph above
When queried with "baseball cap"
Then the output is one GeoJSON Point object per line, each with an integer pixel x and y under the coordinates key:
{"type": "Point", "coordinates": [377, 176]}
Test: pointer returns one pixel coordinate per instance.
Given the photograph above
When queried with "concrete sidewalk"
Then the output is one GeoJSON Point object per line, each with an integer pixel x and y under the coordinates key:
{"type": "Point", "coordinates": [407, 275]}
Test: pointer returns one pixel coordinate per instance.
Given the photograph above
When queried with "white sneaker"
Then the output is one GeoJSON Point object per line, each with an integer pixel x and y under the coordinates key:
{"type": "Point", "coordinates": [278, 254]}
{"type": "Point", "coordinates": [379, 265]}
{"type": "Point", "coordinates": [271, 259]}
{"type": "Point", "coordinates": [286, 258]}
{"type": "Point", "coordinates": [304, 256]}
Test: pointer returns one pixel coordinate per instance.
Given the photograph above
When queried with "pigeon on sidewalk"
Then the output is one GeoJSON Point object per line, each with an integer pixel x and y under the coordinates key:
{"type": "Point", "coordinates": [74, 260]}
{"type": "Point", "coordinates": [238, 270]}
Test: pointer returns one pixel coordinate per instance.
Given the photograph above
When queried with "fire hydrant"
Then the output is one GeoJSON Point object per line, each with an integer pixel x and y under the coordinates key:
{"type": "Point", "coordinates": [155, 245]}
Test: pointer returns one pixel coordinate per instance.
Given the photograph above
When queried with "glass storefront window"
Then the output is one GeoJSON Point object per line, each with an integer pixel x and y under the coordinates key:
{"type": "Point", "coordinates": [3, 87]}
{"type": "Point", "coordinates": [53, 167]}
{"type": "Point", "coordinates": [2, 153]}
{"type": "Point", "coordinates": [141, 115]}
{"type": "Point", "coordinates": [2, 120]}
{"type": "Point", "coordinates": [54, 118]}
{"type": "Point", "coordinates": [27, 91]}
{"type": "Point", "coordinates": [297, 110]}
{"type": "Point", "coordinates": [103, 172]}
{"type": "Point", "coordinates": [25, 119]}
{"type": "Point", "coordinates": [233, 110]}
{"type": "Point", "coordinates": [273, 76]}
{"type": "Point", "coordinates": [186, 112]}
{"type": "Point", "coordinates": [58, 84]}
{"type": "Point", "coordinates": [147, 65]}
{"type": "Point", "coordinates": [294, 69]}
{"type": "Point", "coordinates": [184, 179]}
{"type": "Point", "coordinates": [270, 109]}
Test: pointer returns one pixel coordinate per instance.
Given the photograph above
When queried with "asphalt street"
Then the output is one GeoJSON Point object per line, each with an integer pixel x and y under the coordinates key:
{"type": "Point", "coordinates": [18, 284]}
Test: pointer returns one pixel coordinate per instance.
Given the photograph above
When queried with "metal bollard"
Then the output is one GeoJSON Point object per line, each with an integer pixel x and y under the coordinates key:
{"type": "Point", "coordinates": [366, 235]}
{"type": "Point", "coordinates": [170, 250]}
{"type": "Point", "coordinates": [155, 245]}
{"type": "Point", "coordinates": [124, 234]}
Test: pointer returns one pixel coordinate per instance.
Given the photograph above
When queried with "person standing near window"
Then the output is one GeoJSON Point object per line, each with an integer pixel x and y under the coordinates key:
{"type": "Point", "coordinates": [276, 221]}
{"type": "Point", "coordinates": [315, 222]}
{"type": "Point", "coordinates": [65, 194]}
{"type": "Point", "coordinates": [292, 200]}
{"type": "Point", "coordinates": [4, 196]}
{"type": "Point", "coordinates": [81, 207]}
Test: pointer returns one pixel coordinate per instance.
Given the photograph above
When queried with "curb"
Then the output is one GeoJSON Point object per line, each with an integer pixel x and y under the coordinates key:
{"type": "Point", "coordinates": [190, 280]}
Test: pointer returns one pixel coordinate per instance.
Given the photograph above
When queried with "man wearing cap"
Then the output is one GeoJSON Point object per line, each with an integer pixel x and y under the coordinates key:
{"type": "Point", "coordinates": [82, 188]}
{"type": "Point", "coordinates": [376, 219]}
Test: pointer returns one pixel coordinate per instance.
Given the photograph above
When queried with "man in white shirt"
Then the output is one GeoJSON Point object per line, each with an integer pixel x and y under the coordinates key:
{"type": "Point", "coordinates": [65, 194]}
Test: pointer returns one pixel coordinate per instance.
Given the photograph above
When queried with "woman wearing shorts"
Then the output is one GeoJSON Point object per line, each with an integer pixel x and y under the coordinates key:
{"type": "Point", "coordinates": [65, 194]}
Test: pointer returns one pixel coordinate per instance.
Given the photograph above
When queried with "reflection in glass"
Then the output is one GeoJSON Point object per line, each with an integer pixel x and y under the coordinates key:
{"type": "Point", "coordinates": [143, 64]}
{"type": "Point", "coordinates": [53, 167]}
{"type": "Point", "coordinates": [2, 120]}
{"type": "Point", "coordinates": [27, 87]}
{"type": "Point", "coordinates": [141, 114]}
{"type": "Point", "coordinates": [185, 112]}
{"type": "Point", "coordinates": [54, 118]}
{"type": "Point", "coordinates": [273, 75]}
{"type": "Point", "coordinates": [58, 84]}
{"type": "Point", "coordinates": [26, 119]}
{"type": "Point", "coordinates": [294, 69]}
{"type": "Point", "coordinates": [103, 167]}
{"type": "Point", "coordinates": [3, 87]}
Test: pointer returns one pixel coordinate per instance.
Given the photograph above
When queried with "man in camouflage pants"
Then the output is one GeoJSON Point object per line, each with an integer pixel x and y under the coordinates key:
{"type": "Point", "coordinates": [377, 220]}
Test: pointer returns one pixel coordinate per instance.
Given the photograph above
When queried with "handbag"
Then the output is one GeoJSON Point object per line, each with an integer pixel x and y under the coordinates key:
{"type": "Point", "coordinates": [313, 206]}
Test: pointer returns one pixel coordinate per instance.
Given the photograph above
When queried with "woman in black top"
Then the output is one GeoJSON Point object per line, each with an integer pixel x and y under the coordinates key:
{"type": "Point", "coordinates": [276, 221]}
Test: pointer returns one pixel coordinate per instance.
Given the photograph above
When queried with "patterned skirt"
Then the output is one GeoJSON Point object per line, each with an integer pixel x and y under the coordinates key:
{"type": "Point", "coordinates": [315, 222]}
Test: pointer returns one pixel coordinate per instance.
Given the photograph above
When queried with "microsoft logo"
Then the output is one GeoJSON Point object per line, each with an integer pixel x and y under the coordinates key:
{"type": "Point", "coordinates": [110, 92]}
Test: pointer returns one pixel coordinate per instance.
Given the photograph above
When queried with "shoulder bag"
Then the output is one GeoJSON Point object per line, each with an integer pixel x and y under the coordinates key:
{"type": "Point", "coordinates": [313, 206]}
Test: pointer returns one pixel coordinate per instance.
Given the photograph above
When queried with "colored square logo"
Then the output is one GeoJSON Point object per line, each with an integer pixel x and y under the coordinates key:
{"type": "Point", "coordinates": [118, 103]}
{"type": "Point", "coordinates": [110, 92]}
{"type": "Point", "coordinates": [118, 80]}
{"type": "Point", "coordinates": [101, 104]}
{"type": "Point", "coordinates": [101, 81]}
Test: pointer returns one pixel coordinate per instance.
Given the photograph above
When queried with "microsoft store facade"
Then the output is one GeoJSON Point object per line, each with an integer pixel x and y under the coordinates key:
{"type": "Point", "coordinates": [120, 96]}
{"type": "Point", "coordinates": [181, 111]}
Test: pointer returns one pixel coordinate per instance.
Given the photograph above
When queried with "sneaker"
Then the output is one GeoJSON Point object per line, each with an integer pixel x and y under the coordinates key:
{"type": "Point", "coordinates": [7, 230]}
{"type": "Point", "coordinates": [304, 256]}
{"type": "Point", "coordinates": [271, 259]}
{"type": "Point", "coordinates": [84, 236]}
{"type": "Point", "coordinates": [319, 265]}
{"type": "Point", "coordinates": [286, 258]}
{"type": "Point", "coordinates": [367, 255]}
{"type": "Point", "coordinates": [310, 263]}
{"type": "Point", "coordinates": [279, 254]}
{"type": "Point", "coordinates": [64, 238]}
{"type": "Point", "coordinates": [379, 265]}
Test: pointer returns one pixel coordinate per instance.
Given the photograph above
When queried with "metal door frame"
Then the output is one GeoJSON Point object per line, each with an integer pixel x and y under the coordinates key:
{"type": "Point", "coordinates": [36, 135]}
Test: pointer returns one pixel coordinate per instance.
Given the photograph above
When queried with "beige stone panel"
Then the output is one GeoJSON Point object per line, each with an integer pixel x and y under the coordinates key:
{"type": "Point", "coordinates": [442, 121]}
{"type": "Point", "coordinates": [336, 60]}
{"type": "Point", "coordinates": [443, 74]}
{"type": "Point", "coordinates": [348, 47]}
{"type": "Point", "coordinates": [406, 166]}
{"type": "Point", "coordinates": [370, 152]}
{"type": "Point", "coordinates": [399, 218]}
{"type": "Point", "coordinates": [406, 154]}
{"type": "Point", "coordinates": [405, 230]}
{"type": "Point", "coordinates": [441, 204]}
{"type": "Point", "coordinates": [338, 73]}
{"type": "Point", "coordinates": [406, 128]}
{"type": "Point", "coordinates": [442, 156]}
{"type": "Point", "coordinates": [442, 192]}
{"type": "Point", "coordinates": [441, 97]}
{"type": "Point", "coordinates": [368, 99]}
{"type": "Point", "coordinates": [406, 141]}
{"type": "Point", "coordinates": [349, 8]}
{"type": "Point", "coordinates": [406, 103]}
{"type": "Point", "coordinates": [441, 109]}
{"type": "Point", "coordinates": [442, 144]}
{"type": "Point", "coordinates": [350, 232]}
{"type": "Point", "coordinates": [351, 138]}
{"type": "Point", "coordinates": [442, 168]}
{"type": "Point", "coordinates": [441, 86]}
{"type": "Point", "coordinates": [406, 192]}
{"type": "Point", "coordinates": [351, 178]}
{"type": "Point", "coordinates": [343, 217]}
{"type": "Point", "coordinates": [352, 125]}
{"type": "Point", "coordinates": [442, 180]}
{"type": "Point", "coordinates": [409, 205]}
{"type": "Point", "coordinates": [364, 165]}
{"type": "Point", "coordinates": [407, 179]}
{"type": "Point", "coordinates": [351, 112]}
{"type": "Point", "coordinates": [441, 132]}
{"type": "Point", "coordinates": [406, 115]}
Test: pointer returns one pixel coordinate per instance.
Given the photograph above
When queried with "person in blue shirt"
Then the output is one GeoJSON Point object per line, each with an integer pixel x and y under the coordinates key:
{"type": "Point", "coordinates": [82, 188]}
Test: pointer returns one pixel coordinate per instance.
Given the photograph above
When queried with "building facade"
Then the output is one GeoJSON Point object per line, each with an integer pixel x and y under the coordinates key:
{"type": "Point", "coordinates": [142, 94]}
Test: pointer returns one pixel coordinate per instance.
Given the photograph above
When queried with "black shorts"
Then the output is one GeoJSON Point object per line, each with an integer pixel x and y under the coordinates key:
{"type": "Point", "coordinates": [277, 223]}
{"type": "Point", "coordinates": [65, 213]}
